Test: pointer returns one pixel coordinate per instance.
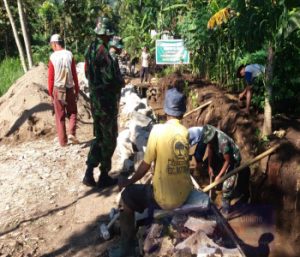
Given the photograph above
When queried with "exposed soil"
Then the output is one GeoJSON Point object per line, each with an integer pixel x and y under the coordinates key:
{"type": "Point", "coordinates": [46, 211]}
{"type": "Point", "coordinates": [26, 111]}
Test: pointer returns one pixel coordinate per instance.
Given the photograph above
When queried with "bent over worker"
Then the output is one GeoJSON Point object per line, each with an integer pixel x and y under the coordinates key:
{"type": "Point", "coordinates": [168, 147]}
{"type": "Point", "coordinates": [104, 92]}
{"type": "Point", "coordinates": [63, 89]}
{"type": "Point", "coordinates": [196, 138]}
{"type": "Point", "coordinates": [250, 72]}
{"type": "Point", "coordinates": [223, 156]}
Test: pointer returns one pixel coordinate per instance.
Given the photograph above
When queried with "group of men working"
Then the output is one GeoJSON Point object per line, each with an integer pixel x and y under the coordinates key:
{"type": "Point", "coordinates": [168, 144]}
{"type": "Point", "coordinates": [168, 147]}
{"type": "Point", "coordinates": [105, 83]}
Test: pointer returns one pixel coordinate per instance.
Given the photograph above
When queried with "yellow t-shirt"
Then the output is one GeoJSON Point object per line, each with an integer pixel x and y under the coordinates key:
{"type": "Point", "coordinates": [168, 146]}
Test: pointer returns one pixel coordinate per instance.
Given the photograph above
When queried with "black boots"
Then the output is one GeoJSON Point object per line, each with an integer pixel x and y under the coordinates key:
{"type": "Point", "coordinates": [88, 179]}
{"type": "Point", "coordinates": [104, 179]}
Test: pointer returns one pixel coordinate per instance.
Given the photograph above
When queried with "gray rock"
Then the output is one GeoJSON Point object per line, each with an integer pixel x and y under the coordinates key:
{"type": "Point", "coordinates": [195, 224]}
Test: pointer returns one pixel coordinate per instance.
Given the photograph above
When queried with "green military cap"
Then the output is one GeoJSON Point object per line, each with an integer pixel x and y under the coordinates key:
{"type": "Point", "coordinates": [104, 27]}
{"type": "Point", "coordinates": [209, 132]}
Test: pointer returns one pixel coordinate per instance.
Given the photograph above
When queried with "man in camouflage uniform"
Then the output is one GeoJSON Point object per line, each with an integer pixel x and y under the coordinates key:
{"type": "Point", "coordinates": [223, 156]}
{"type": "Point", "coordinates": [115, 48]}
{"type": "Point", "coordinates": [104, 92]}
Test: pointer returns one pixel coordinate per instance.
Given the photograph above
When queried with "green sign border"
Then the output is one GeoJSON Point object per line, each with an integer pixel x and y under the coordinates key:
{"type": "Point", "coordinates": [158, 58]}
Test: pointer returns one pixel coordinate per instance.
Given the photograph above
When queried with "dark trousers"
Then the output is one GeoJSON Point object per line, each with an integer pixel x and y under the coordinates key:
{"type": "Point", "coordinates": [104, 111]}
{"type": "Point", "coordinates": [144, 74]}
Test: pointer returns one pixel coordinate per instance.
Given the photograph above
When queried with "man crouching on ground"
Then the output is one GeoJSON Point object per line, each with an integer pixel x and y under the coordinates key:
{"type": "Point", "coordinates": [168, 147]}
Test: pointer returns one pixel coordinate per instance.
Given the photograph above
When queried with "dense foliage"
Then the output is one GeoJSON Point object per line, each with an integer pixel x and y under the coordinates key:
{"type": "Point", "coordinates": [10, 71]}
{"type": "Point", "coordinates": [220, 34]}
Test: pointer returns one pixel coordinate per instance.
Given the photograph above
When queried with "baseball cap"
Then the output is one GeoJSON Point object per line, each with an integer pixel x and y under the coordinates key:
{"type": "Point", "coordinates": [175, 103]}
{"type": "Point", "coordinates": [55, 38]}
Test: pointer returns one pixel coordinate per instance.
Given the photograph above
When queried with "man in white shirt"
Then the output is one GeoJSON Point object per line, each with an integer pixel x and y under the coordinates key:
{"type": "Point", "coordinates": [145, 65]}
{"type": "Point", "coordinates": [63, 89]}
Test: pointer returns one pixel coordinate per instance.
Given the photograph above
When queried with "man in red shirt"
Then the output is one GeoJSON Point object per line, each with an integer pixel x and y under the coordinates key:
{"type": "Point", "coordinates": [63, 89]}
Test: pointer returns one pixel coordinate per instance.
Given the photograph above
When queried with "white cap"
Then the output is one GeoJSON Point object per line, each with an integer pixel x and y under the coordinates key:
{"type": "Point", "coordinates": [55, 38]}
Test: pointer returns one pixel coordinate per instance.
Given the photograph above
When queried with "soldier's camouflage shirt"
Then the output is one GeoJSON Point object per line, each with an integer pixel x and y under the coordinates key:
{"type": "Point", "coordinates": [99, 68]}
{"type": "Point", "coordinates": [226, 145]}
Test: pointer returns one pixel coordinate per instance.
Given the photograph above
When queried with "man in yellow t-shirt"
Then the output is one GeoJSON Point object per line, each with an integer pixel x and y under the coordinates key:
{"type": "Point", "coordinates": [168, 147]}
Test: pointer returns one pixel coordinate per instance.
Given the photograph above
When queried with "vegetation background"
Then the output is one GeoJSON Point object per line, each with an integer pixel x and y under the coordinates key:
{"type": "Point", "coordinates": [220, 34]}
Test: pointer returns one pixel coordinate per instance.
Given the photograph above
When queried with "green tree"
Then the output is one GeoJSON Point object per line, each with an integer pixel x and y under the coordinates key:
{"type": "Point", "coordinates": [16, 36]}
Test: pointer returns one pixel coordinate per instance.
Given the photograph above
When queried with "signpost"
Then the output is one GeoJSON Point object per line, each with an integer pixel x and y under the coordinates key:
{"type": "Point", "coordinates": [171, 51]}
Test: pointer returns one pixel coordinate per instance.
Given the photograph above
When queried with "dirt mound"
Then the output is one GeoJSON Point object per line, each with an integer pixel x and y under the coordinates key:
{"type": "Point", "coordinates": [223, 112]}
{"type": "Point", "coordinates": [180, 80]}
{"type": "Point", "coordinates": [26, 111]}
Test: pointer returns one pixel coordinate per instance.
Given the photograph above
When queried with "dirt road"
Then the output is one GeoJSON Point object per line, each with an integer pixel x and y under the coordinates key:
{"type": "Point", "coordinates": [44, 208]}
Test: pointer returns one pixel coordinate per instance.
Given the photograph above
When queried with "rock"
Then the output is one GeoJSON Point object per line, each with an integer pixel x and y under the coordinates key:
{"type": "Point", "coordinates": [61, 213]}
{"type": "Point", "coordinates": [196, 241]}
{"type": "Point", "coordinates": [203, 246]}
{"type": "Point", "coordinates": [207, 252]}
{"type": "Point", "coordinates": [166, 247]}
{"type": "Point", "coordinates": [178, 220]}
{"type": "Point", "coordinates": [152, 241]}
{"type": "Point", "coordinates": [146, 112]}
{"type": "Point", "coordinates": [130, 103]}
{"type": "Point", "coordinates": [195, 224]}
{"type": "Point", "coordinates": [182, 253]}
{"type": "Point", "coordinates": [139, 137]}
{"type": "Point", "coordinates": [141, 120]}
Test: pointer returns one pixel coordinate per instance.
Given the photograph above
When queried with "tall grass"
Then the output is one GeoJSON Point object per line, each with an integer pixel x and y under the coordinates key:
{"type": "Point", "coordinates": [10, 71]}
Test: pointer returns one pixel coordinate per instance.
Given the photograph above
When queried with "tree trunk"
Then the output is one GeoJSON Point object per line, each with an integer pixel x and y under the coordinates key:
{"type": "Point", "coordinates": [25, 33]}
{"type": "Point", "coordinates": [267, 126]}
{"type": "Point", "coordinates": [17, 39]}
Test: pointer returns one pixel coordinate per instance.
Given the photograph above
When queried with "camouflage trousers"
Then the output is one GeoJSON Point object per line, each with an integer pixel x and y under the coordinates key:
{"type": "Point", "coordinates": [104, 112]}
{"type": "Point", "coordinates": [229, 184]}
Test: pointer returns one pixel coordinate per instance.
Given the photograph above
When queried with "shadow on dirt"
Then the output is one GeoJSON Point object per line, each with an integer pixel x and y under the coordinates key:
{"type": "Point", "coordinates": [27, 115]}
{"type": "Point", "coordinates": [105, 192]}
{"type": "Point", "coordinates": [87, 240]}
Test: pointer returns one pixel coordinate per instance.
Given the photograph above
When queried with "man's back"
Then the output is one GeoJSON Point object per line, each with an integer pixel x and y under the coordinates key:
{"type": "Point", "coordinates": [98, 65]}
{"type": "Point", "coordinates": [227, 145]}
{"type": "Point", "coordinates": [252, 71]}
{"type": "Point", "coordinates": [62, 62]}
{"type": "Point", "coordinates": [168, 146]}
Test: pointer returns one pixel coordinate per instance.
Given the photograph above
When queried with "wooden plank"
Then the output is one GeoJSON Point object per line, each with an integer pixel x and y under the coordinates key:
{"type": "Point", "coordinates": [248, 163]}
{"type": "Point", "coordinates": [196, 109]}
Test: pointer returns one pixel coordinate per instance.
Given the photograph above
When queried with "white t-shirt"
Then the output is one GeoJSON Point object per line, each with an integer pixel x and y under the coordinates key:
{"type": "Point", "coordinates": [62, 62]}
{"type": "Point", "coordinates": [145, 59]}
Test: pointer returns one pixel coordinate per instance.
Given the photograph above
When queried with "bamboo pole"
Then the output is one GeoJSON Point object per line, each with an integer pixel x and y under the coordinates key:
{"type": "Point", "coordinates": [196, 109]}
{"type": "Point", "coordinates": [238, 169]}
